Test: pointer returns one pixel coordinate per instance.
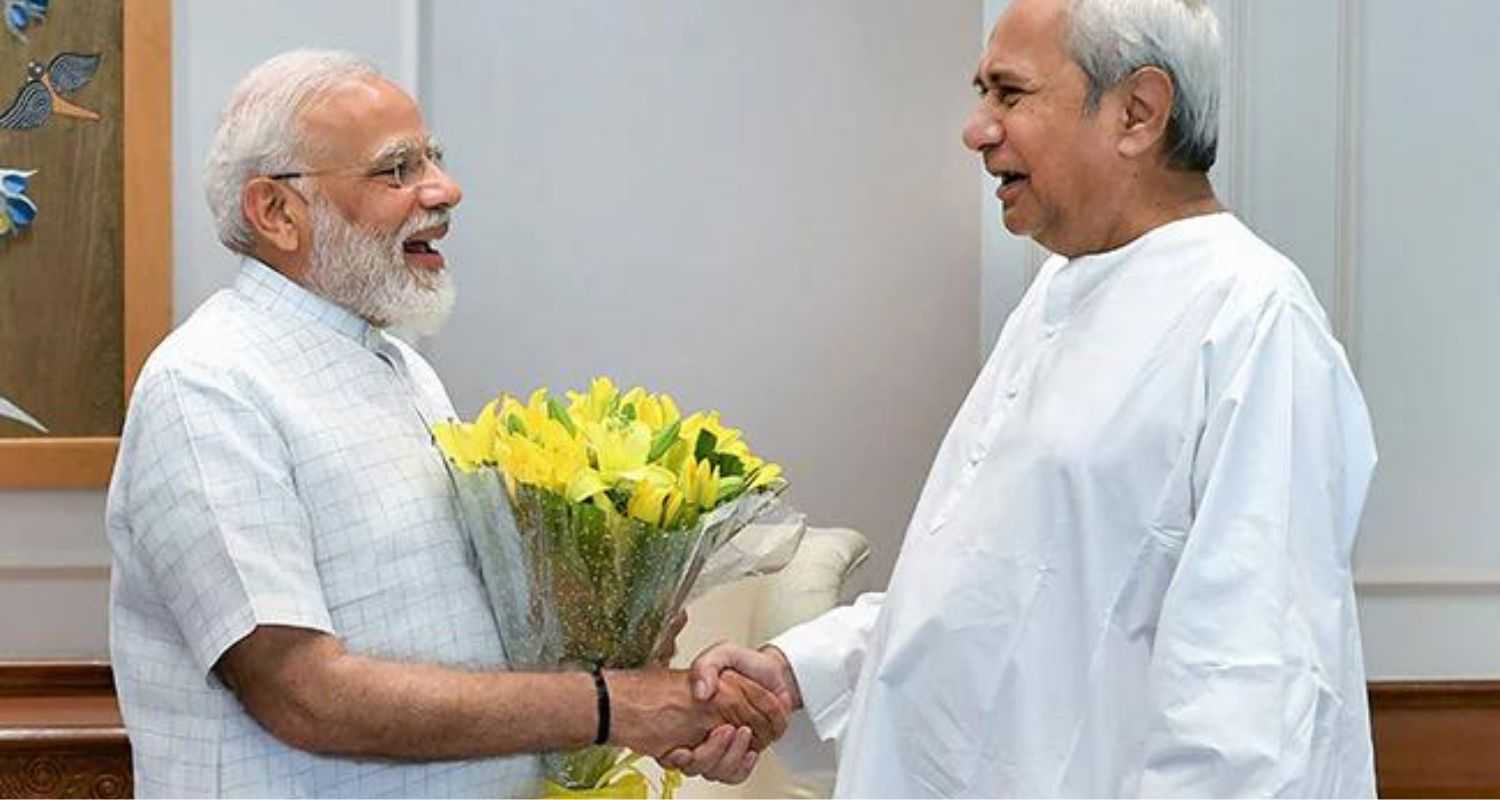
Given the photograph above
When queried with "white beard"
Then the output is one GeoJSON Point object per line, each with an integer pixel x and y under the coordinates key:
{"type": "Point", "coordinates": [367, 273]}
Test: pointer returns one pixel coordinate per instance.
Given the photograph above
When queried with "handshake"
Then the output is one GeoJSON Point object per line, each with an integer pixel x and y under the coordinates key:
{"type": "Point", "coordinates": [713, 719]}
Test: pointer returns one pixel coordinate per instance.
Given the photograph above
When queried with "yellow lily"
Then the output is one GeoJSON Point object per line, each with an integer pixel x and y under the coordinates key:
{"type": "Point", "coordinates": [633, 398]}
{"type": "Point", "coordinates": [522, 460]}
{"type": "Point", "coordinates": [624, 781]}
{"type": "Point", "coordinates": [657, 411]}
{"type": "Point", "coordinates": [585, 484]}
{"type": "Point", "coordinates": [699, 483]}
{"type": "Point", "coordinates": [727, 439]}
{"type": "Point", "coordinates": [619, 450]}
{"type": "Point", "coordinates": [648, 502]}
{"type": "Point", "coordinates": [690, 427]}
{"type": "Point", "coordinates": [627, 787]}
{"type": "Point", "coordinates": [595, 405]}
{"type": "Point", "coordinates": [549, 457]}
{"type": "Point", "coordinates": [708, 485]}
{"type": "Point", "coordinates": [530, 416]}
{"type": "Point", "coordinates": [486, 425]}
{"type": "Point", "coordinates": [765, 475]}
{"type": "Point", "coordinates": [670, 514]}
{"type": "Point", "coordinates": [602, 444]}
{"type": "Point", "coordinates": [458, 442]}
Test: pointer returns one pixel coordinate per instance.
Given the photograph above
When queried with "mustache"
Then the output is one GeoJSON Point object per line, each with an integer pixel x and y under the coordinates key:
{"type": "Point", "coordinates": [421, 221]}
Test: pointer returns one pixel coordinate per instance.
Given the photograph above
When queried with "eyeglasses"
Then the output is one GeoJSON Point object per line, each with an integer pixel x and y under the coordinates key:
{"type": "Point", "coordinates": [403, 170]}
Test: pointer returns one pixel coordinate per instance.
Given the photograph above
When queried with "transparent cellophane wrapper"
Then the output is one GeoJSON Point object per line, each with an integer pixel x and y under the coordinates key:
{"type": "Point", "coordinates": [572, 586]}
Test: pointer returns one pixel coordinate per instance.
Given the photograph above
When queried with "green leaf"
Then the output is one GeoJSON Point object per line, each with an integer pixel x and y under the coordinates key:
{"type": "Point", "coordinates": [730, 488]}
{"type": "Point", "coordinates": [705, 445]}
{"type": "Point", "coordinates": [628, 413]}
{"type": "Point", "coordinates": [559, 412]}
{"type": "Point", "coordinates": [663, 441]}
{"type": "Point", "coordinates": [513, 424]}
{"type": "Point", "coordinates": [729, 465]}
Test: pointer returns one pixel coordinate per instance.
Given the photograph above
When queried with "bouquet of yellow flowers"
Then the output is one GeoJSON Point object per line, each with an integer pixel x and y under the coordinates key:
{"type": "Point", "coordinates": [596, 517]}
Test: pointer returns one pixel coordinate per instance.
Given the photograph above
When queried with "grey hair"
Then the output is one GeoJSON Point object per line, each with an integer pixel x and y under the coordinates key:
{"type": "Point", "coordinates": [261, 133]}
{"type": "Point", "coordinates": [1110, 39]}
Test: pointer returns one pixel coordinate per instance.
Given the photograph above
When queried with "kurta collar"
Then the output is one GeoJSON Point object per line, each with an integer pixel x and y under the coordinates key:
{"type": "Point", "coordinates": [273, 292]}
{"type": "Point", "coordinates": [1076, 279]}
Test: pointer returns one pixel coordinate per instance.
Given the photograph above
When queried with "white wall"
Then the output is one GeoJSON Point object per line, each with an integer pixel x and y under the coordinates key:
{"type": "Point", "coordinates": [762, 207]}
{"type": "Point", "coordinates": [1358, 137]}
{"type": "Point", "coordinates": [1425, 291]}
{"type": "Point", "coordinates": [778, 186]}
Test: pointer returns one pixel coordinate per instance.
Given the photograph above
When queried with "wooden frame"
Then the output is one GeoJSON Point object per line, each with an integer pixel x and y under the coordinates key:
{"type": "Point", "coordinates": [86, 462]}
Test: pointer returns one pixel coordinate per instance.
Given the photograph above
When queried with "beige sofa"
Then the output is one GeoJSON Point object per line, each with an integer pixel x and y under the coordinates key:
{"type": "Point", "coordinates": [753, 610]}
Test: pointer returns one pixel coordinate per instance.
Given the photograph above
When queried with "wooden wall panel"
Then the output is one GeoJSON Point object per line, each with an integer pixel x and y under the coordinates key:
{"type": "Point", "coordinates": [60, 732]}
{"type": "Point", "coordinates": [1437, 739]}
{"type": "Point", "coordinates": [61, 735]}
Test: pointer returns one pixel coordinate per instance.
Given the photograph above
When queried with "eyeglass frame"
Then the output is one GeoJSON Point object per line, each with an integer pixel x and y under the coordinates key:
{"type": "Point", "coordinates": [432, 155]}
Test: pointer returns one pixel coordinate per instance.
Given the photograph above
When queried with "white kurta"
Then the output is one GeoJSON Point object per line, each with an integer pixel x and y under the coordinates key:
{"type": "Point", "coordinates": [1129, 571]}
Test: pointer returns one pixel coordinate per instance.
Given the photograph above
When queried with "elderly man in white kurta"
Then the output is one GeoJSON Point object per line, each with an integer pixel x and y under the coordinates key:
{"type": "Point", "coordinates": [1129, 570]}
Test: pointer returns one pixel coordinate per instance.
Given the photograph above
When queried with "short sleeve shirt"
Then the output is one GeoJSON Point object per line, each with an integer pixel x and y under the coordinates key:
{"type": "Point", "coordinates": [276, 468]}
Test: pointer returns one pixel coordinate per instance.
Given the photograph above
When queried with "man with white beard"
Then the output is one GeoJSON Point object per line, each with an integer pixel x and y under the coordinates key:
{"type": "Point", "coordinates": [295, 609]}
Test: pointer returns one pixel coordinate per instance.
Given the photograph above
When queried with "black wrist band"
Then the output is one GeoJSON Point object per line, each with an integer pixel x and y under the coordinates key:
{"type": "Point", "coordinates": [601, 695]}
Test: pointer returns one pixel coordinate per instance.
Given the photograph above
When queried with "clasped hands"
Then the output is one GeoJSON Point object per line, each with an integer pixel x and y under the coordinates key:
{"type": "Point", "coordinates": [713, 719]}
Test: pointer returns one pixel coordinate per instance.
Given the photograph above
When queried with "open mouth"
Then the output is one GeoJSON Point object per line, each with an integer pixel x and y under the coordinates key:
{"type": "Point", "coordinates": [419, 250]}
{"type": "Point", "coordinates": [1011, 185]}
{"type": "Point", "coordinates": [1008, 178]}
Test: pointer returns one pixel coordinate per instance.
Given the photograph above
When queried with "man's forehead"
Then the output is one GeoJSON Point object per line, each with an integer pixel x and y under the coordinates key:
{"type": "Point", "coordinates": [1026, 38]}
{"type": "Point", "coordinates": [1033, 16]}
{"type": "Point", "coordinates": [366, 116]}
{"type": "Point", "coordinates": [354, 97]}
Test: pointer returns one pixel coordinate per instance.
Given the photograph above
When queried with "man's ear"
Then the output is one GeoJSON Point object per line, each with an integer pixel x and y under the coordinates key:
{"type": "Point", "coordinates": [1145, 111]}
{"type": "Point", "coordinates": [275, 214]}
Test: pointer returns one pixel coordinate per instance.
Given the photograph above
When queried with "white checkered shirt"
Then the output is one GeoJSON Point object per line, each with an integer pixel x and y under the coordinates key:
{"type": "Point", "coordinates": [276, 469]}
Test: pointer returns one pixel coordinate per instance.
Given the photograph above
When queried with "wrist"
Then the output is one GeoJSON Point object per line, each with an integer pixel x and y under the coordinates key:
{"type": "Point", "coordinates": [788, 677]}
{"type": "Point", "coordinates": [602, 706]}
{"type": "Point", "coordinates": [642, 701]}
{"type": "Point", "coordinates": [621, 690]}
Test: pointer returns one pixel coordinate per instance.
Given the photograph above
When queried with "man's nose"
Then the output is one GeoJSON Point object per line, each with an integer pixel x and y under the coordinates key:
{"type": "Point", "coordinates": [440, 190]}
{"type": "Point", "coordinates": [982, 130]}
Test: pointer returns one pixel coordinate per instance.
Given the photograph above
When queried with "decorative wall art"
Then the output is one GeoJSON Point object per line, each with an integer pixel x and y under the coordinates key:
{"type": "Point", "coordinates": [85, 228]}
{"type": "Point", "coordinates": [46, 90]}
{"type": "Point", "coordinates": [16, 213]}
{"type": "Point", "coordinates": [23, 14]}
